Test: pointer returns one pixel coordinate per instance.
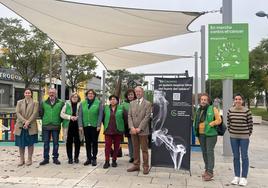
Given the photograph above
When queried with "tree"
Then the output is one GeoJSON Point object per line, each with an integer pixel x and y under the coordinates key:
{"type": "Point", "coordinates": [214, 88]}
{"type": "Point", "coordinates": [259, 68]}
{"type": "Point", "coordinates": [119, 81]}
{"type": "Point", "coordinates": [79, 69]}
{"type": "Point", "coordinates": [27, 50]}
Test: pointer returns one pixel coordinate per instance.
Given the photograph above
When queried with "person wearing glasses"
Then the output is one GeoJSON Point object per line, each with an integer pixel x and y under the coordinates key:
{"type": "Point", "coordinates": [89, 120]}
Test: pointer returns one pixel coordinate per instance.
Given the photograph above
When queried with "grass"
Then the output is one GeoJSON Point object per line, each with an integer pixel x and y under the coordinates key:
{"type": "Point", "coordinates": [260, 112]}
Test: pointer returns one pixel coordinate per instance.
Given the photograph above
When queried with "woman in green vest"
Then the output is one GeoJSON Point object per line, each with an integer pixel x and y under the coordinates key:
{"type": "Point", "coordinates": [113, 122]}
{"type": "Point", "coordinates": [89, 120]}
{"type": "Point", "coordinates": [129, 96]}
{"type": "Point", "coordinates": [206, 119]}
{"type": "Point", "coordinates": [69, 114]}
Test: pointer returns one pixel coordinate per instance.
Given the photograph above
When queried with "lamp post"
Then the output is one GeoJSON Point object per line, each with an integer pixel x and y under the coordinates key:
{"type": "Point", "coordinates": [262, 14]}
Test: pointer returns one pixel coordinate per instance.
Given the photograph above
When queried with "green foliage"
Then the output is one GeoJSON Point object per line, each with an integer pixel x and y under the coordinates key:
{"type": "Point", "coordinates": [260, 112]}
{"type": "Point", "coordinates": [118, 81]}
{"type": "Point", "coordinates": [214, 88]}
{"type": "Point", "coordinates": [259, 68]}
{"type": "Point", "coordinates": [26, 49]}
{"type": "Point", "coordinates": [79, 69]}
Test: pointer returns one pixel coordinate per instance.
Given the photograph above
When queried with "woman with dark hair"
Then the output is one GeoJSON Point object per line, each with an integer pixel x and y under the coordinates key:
{"type": "Point", "coordinates": [89, 120]}
{"type": "Point", "coordinates": [129, 96]}
{"type": "Point", "coordinates": [113, 122]}
{"type": "Point", "coordinates": [69, 114]}
{"type": "Point", "coordinates": [26, 126]}
{"type": "Point", "coordinates": [240, 126]}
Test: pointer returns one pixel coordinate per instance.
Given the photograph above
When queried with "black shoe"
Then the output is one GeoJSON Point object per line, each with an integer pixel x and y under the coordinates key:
{"type": "Point", "coordinates": [76, 160]}
{"type": "Point", "coordinates": [114, 164]}
{"type": "Point", "coordinates": [106, 164]}
{"type": "Point", "coordinates": [44, 162]}
{"type": "Point", "coordinates": [56, 161]}
{"type": "Point", "coordinates": [131, 160]}
{"type": "Point", "coordinates": [94, 162]}
{"type": "Point", "coordinates": [87, 162]}
{"type": "Point", "coordinates": [70, 161]}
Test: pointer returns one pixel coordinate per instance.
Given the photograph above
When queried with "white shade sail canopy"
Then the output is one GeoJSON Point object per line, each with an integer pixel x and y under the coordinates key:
{"type": "Point", "coordinates": [121, 59]}
{"type": "Point", "coordinates": [83, 28]}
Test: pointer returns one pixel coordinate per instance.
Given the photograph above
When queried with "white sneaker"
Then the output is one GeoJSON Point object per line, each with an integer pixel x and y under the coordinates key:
{"type": "Point", "coordinates": [235, 181]}
{"type": "Point", "coordinates": [243, 182]}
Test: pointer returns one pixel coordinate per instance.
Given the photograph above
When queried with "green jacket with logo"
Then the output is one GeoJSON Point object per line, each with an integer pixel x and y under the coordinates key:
{"type": "Point", "coordinates": [209, 130]}
{"type": "Point", "coordinates": [51, 113]}
{"type": "Point", "coordinates": [118, 118]}
{"type": "Point", "coordinates": [67, 112]}
{"type": "Point", "coordinates": [90, 115]}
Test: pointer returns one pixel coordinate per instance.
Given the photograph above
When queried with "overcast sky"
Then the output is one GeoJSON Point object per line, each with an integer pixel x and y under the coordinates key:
{"type": "Point", "coordinates": [243, 12]}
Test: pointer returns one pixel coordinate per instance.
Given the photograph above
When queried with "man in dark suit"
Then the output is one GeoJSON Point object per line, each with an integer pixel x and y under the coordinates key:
{"type": "Point", "coordinates": [138, 121]}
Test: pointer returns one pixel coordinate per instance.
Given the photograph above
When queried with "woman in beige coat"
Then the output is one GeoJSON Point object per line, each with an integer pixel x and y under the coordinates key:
{"type": "Point", "coordinates": [26, 127]}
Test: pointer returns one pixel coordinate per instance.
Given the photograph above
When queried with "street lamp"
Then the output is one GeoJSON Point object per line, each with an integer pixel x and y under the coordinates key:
{"type": "Point", "coordinates": [261, 14]}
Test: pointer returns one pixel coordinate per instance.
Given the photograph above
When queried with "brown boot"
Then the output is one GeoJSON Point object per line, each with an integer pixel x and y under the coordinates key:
{"type": "Point", "coordinates": [146, 170]}
{"type": "Point", "coordinates": [22, 160]}
{"type": "Point", "coordinates": [208, 177]}
{"type": "Point", "coordinates": [30, 155]}
{"type": "Point", "coordinates": [204, 174]}
{"type": "Point", "coordinates": [133, 168]}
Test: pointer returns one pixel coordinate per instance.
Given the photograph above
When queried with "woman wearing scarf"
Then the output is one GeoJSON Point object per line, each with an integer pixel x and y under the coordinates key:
{"type": "Point", "coordinates": [129, 96]}
{"type": "Point", "coordinates": [71, 132]}
{"type": "Point", "coordinates": [206, 118]}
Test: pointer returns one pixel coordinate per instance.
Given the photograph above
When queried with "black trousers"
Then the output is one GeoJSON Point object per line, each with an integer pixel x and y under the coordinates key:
{"type": "Point", "coordinates": [73, 138]}
{"type": "Point", "coordinates": [91, 138]}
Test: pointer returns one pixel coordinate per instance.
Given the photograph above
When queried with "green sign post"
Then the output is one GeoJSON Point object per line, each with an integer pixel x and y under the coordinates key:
{"type": "Point", "coordinates": [228, 51]}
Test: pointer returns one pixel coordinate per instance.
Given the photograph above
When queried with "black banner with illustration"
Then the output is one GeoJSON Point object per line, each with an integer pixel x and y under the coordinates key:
{"type": "Point", "coordinates": [172, 110]}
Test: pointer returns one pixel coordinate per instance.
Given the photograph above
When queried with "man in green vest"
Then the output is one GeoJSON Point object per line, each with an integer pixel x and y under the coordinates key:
{"type": "Point", "coordinates": [89, 120]}
{"type": "Point", "coordinates": [51, 124]}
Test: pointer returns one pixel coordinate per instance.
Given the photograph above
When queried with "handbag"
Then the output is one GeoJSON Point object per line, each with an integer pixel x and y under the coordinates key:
{"type": "Point", "coordinates": [221, 128]}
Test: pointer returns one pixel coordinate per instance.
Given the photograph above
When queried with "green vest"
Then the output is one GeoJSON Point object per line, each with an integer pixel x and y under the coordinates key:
{"type": "Point", "coordinates": [51, 115]}
{"type": "Point", "coordinates": [91, 115]}
{"type": "Point", "coordinates": [209, 131]}
{"type": "Point", "coordinates": [68, 111]}
{"type": "Point", "coordinates": [125, 105]}
{"type": "Point", "coordinates": [118, 118]}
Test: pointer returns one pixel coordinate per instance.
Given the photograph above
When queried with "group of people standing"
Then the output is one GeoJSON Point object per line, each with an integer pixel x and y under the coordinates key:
{"type": "Point", "coordinates": [83, 119]}
{"type": "Point", "coordinates": [240, 126]}
{"type": "Point", "coordinates": [131, 118]}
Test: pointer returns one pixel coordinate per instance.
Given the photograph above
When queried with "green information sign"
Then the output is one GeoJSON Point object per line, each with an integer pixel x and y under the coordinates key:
{"type": "Point", "coordinates": [228, 51]}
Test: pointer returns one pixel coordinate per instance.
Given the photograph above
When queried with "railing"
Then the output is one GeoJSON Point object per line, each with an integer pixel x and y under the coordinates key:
{"type": "Point", "coordinates": [7, 128]}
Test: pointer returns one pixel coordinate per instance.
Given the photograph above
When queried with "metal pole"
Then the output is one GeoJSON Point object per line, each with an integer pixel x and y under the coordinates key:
{"type": "Point", "coordinates": [103, 86]}
{"type": "Point", "coordinates": [50, 68]}
{"type": "Point", "coordinates": [227, 85]}
{"type": "Point", "coordinates": [196, 79]}
{"type": "Point", "coordinates": [203, 59]}
{"type": "Point", "coordinates": [63, 75]}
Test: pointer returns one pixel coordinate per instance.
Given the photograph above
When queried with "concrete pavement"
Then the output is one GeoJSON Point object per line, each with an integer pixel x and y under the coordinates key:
{"type": "Point", "coordinates": [77, 175]}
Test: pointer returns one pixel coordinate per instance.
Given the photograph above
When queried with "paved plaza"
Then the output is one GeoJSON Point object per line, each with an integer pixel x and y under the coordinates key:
{"type": "Point", "coordinates": [77, 175]}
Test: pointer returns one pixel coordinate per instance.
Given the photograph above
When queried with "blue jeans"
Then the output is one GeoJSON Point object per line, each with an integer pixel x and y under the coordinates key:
{"type": "Point", "coordinates": [46, 139]}
{"type": "Point", "coordinates": [130, 147]}
{"type": "Point", "coordinates": [240, 147]}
